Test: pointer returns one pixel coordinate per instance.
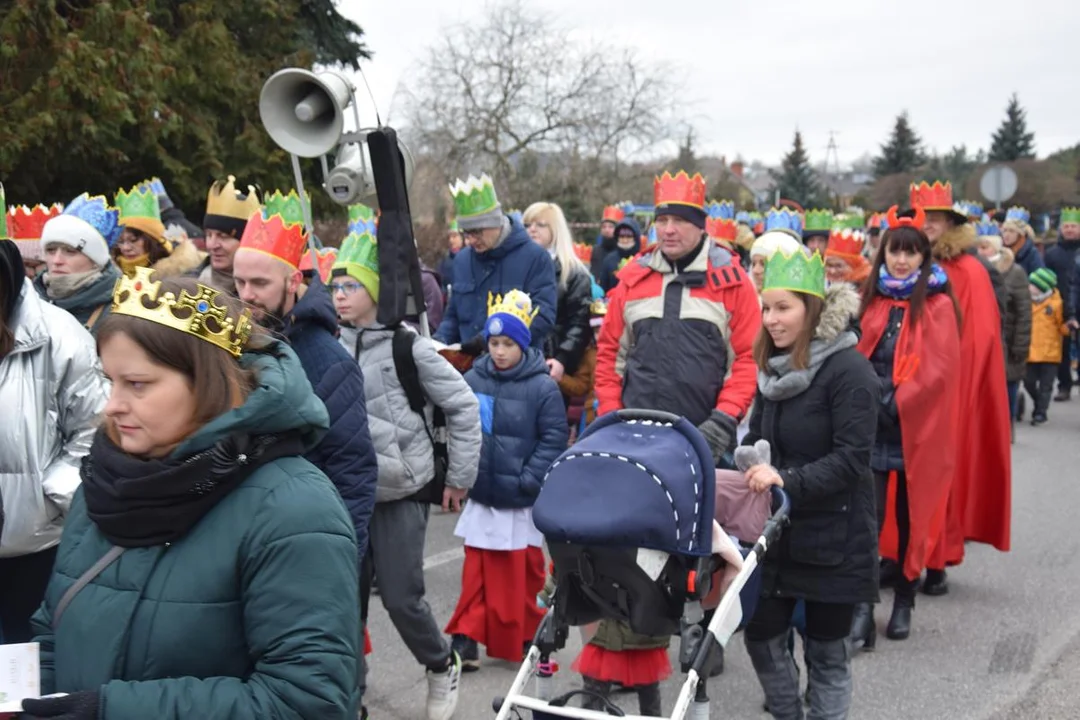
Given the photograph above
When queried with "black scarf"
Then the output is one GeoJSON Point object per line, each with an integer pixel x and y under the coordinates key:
{"type": "Point", "coordinates": [140, 503]}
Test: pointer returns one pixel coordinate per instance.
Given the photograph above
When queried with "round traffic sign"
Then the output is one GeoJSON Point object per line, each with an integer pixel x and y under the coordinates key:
{"type": "Point", "coordinates": [998, 183]}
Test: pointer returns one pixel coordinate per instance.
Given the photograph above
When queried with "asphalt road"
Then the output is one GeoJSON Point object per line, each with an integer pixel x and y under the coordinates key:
{"type": "Point", "coordinates": [1004, 644]}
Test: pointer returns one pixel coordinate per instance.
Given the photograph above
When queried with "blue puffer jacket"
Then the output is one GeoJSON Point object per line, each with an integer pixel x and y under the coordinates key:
{"type": "Point", "coordinates": [524, 423]}
{"type": "Point", "coordinates": [346, 454]}
{"type": "Point", "coordinates": [1028, 257]}
{"type": "Point", "coordinates": [516, 264]}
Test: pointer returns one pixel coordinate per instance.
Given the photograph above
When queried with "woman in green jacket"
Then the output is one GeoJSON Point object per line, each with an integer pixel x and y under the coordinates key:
{"type": "Point", "coordinates": [235, 596]}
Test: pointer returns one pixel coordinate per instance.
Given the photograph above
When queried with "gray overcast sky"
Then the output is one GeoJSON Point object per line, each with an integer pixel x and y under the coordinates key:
{"type": "Point", "coordinates": [761, 68]}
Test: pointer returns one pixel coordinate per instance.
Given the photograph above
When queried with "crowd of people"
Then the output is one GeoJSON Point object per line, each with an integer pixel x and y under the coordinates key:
{"type": "Point", "coordinates": [207, 421]}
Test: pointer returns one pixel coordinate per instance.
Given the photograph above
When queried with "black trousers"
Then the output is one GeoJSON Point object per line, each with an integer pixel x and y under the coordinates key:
{"type": "Point", "coordinates": [903, 522]}
{"type": "Point", "coordinates": [824, 621]}
{"type": "Point", "coordinates": [1039, 384]}
{"type": "Point", "coordinates": [23, 580]}
{"type": "Point", "coordinates": [1064, 368]}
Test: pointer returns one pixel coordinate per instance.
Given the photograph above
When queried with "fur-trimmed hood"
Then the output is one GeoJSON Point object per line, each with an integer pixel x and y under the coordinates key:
{"type": "Point", "coordinates": [955, 242]}
{"type": "Point", "coordinates": [1005, 260]}
{"type": "Point", "coordinates": [841, 309]}
{"type": "Point", "coordinates": [184, 260]}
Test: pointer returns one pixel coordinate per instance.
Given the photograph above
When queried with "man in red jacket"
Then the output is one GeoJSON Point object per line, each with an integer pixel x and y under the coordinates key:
{"type": "Point", "coordinates": [681, 323]}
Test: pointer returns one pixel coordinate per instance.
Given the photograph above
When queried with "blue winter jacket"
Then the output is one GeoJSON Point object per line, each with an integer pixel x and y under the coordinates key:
{"type": "Point", "coordinates": [523, 419]}
{"type": "Point", "coordinates": [346, 454]}
{"type": "Point", "coordinates": [516, 264]}
{"type": "Point", "coordinates": [1029, 257]}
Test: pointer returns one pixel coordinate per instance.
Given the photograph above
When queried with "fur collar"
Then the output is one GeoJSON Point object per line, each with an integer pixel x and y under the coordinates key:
{"type": "Point", "coordinates": [955, 242]}
{"type": "Point", "coordinates": [841, 307]}
{"type": "Point", "coordinates": [1005, 261]}
{"type": "Point", "coordinates": [185, 259]}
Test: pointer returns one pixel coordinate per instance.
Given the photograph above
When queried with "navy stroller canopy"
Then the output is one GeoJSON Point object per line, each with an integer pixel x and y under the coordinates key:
{"type": "Point", "coordinates": [635, 478]}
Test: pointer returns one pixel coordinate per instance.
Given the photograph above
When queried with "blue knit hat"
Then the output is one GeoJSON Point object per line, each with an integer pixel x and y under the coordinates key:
{"type": "Point", "coordinates": [510, 316]}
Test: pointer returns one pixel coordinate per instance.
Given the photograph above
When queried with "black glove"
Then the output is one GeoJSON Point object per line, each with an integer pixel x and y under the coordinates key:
{"type": "Point", "coordinates": [720, 433]}
{"type": "Point", "coordinates": [76, 706]}
{"type": "Point", "coordinates": [474, 347]}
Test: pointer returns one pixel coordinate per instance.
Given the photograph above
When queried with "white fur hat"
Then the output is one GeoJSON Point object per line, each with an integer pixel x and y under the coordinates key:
{"type": "Point", "coordinates": [78, 234]}
{"type": "Point", "coordinates": [767, 245]}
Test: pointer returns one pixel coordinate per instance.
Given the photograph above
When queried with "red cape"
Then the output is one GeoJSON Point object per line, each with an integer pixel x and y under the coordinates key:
{"type": "Point", "coordinates": [980, 503]}
{"type": "Point", "coordinates": [926, 370]}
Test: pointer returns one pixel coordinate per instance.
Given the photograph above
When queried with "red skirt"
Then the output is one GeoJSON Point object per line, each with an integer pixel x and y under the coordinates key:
{"type": "Point", "coordinates": [497, 607]}
{"type": "Point", "coordinates": [629, 668]}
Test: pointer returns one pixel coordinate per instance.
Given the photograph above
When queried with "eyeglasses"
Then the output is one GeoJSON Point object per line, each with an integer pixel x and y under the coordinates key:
{"type": "Point", "coordinates": [348, 288]}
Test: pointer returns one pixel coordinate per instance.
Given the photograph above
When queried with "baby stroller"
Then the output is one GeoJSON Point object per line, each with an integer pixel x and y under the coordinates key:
{"type": "Point", "coordinates": [627, 514]}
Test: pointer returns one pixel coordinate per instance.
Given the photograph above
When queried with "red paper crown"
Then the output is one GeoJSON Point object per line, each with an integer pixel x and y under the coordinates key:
{"type": "Point", "coordinates": [613, 213]}
{"type": "Point", "coordinates": [845, 242]}
{"type": "Point", "coordinates": [932, 197]}
{"type": "Point", "coordinates": [583, 252]}
{"type": "Point", "coordinates": [273, 237]}
{"type": "Point", "coordinates": [25, 223]}
{"type": "Point", "coordinates": [679, 190]}
{"type": "Point", "coordinates": [327, 257]}
{"type": "Point", "coordinates": [720, 229]}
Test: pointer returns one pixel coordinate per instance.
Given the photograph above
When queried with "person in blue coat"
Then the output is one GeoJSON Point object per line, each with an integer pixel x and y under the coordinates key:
{"type": "Point", "coordinates": [499, 257]}
{"type": "Point", "coordinates": [523, 420]}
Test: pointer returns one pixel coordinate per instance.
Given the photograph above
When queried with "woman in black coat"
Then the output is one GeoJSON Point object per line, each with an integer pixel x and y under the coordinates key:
{"type": "Point", "coordinates": [817, 406]}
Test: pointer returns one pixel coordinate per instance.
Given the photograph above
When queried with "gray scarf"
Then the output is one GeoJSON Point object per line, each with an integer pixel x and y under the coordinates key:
{"type": "Point", "coordinates": [782, 381]}
{"type": "Point", "coordinates": [58, 287]}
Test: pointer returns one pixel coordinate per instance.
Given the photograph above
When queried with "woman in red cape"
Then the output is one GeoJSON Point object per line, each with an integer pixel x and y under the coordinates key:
{"type": "Point", "coordinates": [911, 334]}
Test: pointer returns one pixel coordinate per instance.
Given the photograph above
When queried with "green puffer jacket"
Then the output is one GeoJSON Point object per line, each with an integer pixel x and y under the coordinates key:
{"type": "Point", "coordinates": [253, 615]}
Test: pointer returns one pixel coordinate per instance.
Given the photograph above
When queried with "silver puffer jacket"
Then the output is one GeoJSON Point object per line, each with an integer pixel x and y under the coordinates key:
{"type": "Point", "coordinates": [52, 392]}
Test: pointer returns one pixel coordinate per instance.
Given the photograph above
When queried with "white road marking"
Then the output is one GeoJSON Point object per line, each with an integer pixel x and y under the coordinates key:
{"type": "Point", "coordinates": [444, 557]}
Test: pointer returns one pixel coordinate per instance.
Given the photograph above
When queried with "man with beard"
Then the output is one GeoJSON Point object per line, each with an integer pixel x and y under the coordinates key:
{"type": "Point", "coordinates": [606, 241]}
{"type": "Point", "coordinates": [227, 213]}
{"type": "Point", "coordinates": [268, 279]}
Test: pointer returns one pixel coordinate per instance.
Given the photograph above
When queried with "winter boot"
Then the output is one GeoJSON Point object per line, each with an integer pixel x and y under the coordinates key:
{"type": "Point", "coordinates": [900, 621]}
{"type": "Point", "coordinates": [830, 679]}
{"type": "Point", "coordinates": [649, 700]}
{"type": "Point", "coordinates": [778, 675]}
{"type": "Point", "coordinates": [863, 629]}
{"type": "Point", "coordinates": [936, 583]}
{"type": "Point", "coordinates": [601, 688]}
{"type": "Point", "coordinates": [889, 573]}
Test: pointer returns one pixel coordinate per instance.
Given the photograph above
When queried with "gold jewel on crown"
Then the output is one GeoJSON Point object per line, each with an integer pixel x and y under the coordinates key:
{"type": "Point", "coordinates": [514, 303]}
{"type": "Point", "coordinates": [196, 315]}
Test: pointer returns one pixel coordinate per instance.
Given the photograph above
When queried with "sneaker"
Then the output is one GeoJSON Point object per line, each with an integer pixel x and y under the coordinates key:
{"type": "Point", "coordinates": [1038, 419]}
{"type": "Point", "coordinates": [466, 649]}
{"type": "Point", "coordinates": [442, 693]}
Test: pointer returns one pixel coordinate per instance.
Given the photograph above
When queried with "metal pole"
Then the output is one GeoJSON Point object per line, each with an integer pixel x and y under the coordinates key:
{"type": "Point", "coordinates": [305, 208]}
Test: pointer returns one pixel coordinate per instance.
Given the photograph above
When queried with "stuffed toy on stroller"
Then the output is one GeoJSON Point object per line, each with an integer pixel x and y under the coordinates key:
{"type": "Point", "coordinates": [628, 515]}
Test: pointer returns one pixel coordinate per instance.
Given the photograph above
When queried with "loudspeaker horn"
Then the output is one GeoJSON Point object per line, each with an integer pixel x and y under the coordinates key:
{"type": "Point", "coordinates": [353, 178]}
{"type": "Point", "coordinates": [304, 112]}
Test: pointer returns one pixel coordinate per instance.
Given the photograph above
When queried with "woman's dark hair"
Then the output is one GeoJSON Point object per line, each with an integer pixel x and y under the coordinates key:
{"type": "Point", "coordinates": [764, 348]}
{"type": "Point", "coordinates": [217, 380]}
{"type": "Point", "coordinates": [155, 251]}
{"type": "Point", "coordinates": [906, 239]}
{"type": "Point", "coordinates": [12, 278]}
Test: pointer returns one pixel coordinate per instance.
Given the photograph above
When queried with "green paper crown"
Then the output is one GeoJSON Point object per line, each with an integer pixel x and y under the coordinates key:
{"type": "Point", "coordinates": [851, 221]}
{"type": "Point", "coordinates": [1068, 215]}
{"type": "Point", "coordinates": [797, 273]}
{"type": "Point", "coordinates": [818, 221]}
{"type": "Point", "coordinates": [454, 226]}
{"type": "Point", "coordinates": [360, 213]}
{"type": "Point", "coordinates": [3, 213]}
{"type": "Point", "coordinates": [475, 196]}
{"type": "Point", "coordinates": [287, 206]}
{"type": "Point", "coordinates": [359, 249]}
{"type": "Point", "coordinates": [138, 203]}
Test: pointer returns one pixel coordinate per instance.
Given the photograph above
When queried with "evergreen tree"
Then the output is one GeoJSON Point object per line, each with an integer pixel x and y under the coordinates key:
{"type": "Point", "coordinates": [797, 179]}
{"type": "Point", "coordinates": [687, 158]}
{"type": "Point", "coordinates": [902, 153]}
{"type": "Point", "coordinates": [1012, 141]}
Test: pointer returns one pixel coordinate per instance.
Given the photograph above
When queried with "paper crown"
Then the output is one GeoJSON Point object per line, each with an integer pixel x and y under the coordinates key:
{"type": "Point", "coordinates": [797, 273]}
{"type": "Point", "coordinates": [613, 213]}
{"type": "Point", "coordinates": [1018, 214]}
{"type": "Point", "coordinates": [1068, 214]}
{"type": "Point", "coordinates": [326, 257]}
{"type": "Point", "coordinates": [25, 223]}
{"type": "Point", "coordinates": [720, 209]}
{"type": "Point", "coordinates": [454, 226]}
{"type": "Point", "coordinates": [679, 189]}
{"type": "Point", "coordinates": [819, 221]}
{"type": "Point", "coordinates": [987, 228]}
{"type": "Point", "coordinates": [475, 196]}
{"type": "Point", "coordinates": [359, 258]}
{"type": "Point", "coordinates": [98, 214]}
{"type": "Point", "coordinates": [225, 200]}
{"type": "Point", "coordinates": [784, 220]}
{"type": "Point", "coordinates": [197, 315]}
{"type": "Point", "coordinates": [275, 237]}
{"type": "Point", "coordinates": [362, 219]}
{"type": "Point", "coordinates": [515, 303]}
{"type": "Point", "coordinates": [932, 197]}
{"type": "Point", "coordinates": [970, 208]}
{"type": "Point", "coordinates": [853, 221]}
{"type": "Point", "coordinates": [877, 220]}
{"type": "Point", "coordinates": [846, 242]}
{"type": "Point", "coordinates": [721, 229]}
{"type": "Point", "coordinates": [743, 217]}
{"type": "Point", "coordinates": [139, 202]}
{"type": "Point", "coordinates": [287, 206]}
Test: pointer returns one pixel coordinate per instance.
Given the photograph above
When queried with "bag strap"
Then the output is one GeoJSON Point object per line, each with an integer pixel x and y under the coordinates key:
{"type": "Point", "coordinates": [409, 377]}
{"type": "Point", "coordinates": [96, 569]}
{"type": "Point", "coordinates": [94, 317]}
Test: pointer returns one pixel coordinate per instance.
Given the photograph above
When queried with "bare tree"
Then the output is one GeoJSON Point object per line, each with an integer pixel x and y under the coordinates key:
{"type": "Point", "coordinates": [513, 95]}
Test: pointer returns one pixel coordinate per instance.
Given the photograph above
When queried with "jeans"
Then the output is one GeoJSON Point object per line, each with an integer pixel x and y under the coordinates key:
{"type": "Point", "coordinates": [1014, 398]}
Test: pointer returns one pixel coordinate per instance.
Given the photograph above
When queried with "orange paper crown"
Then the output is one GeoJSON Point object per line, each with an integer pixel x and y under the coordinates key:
{"type": "Point", "coordinates": [613, 213]}
{"type": "Point", "coordinates": [25, 223]}
{"type": "Point", "coordinates": [932, 197]}
{"type": "Point", "coordinates": [680, 189]}
{"type": "Point", "coordinates": [327, 258]}
{"type": "Point", "coordinates": [721, 229]}
{"type": "Point", "coordinates": [274, 237]}
{"type": "Point", "coordinates": [845, 243]}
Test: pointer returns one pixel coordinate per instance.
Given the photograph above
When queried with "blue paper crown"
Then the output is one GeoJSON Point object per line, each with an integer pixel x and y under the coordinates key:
{"type": "Point", "coordinates": [783, 219]}
{"type": "Point", "coordinates": [96, 212]}
{"type": "Point", "coordinates": [722, 210]}
{"type": "Point", "coordinates": [971, 208]}
{"type": "Point", "coordinates": [359, 227]}
{"type": "Point", "coordinates": [154, 185]}
{"type": "Point", "coordinates": [987, 228]}
{"type": "Point", "coordinates": [742, 217]}
{"type": "Point", "coordinates": [1018, 213]}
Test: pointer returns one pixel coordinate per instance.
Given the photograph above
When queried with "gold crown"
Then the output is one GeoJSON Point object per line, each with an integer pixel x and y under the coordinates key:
{"type": "Point", "coordinates": [227, 201]}
{"type": "Point", "coordinates": [189, 314]}
{"type": "Point", "coordinates": [514, 303]}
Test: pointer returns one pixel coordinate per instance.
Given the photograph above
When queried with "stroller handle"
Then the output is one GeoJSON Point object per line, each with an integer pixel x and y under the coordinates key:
{"type": "Point", "coordinates": [781, 503]}
{"type": "Point", "coordinates": [639, 414]}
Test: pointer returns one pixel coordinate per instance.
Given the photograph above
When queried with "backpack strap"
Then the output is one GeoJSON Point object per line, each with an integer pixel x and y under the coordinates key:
{"type": "Point", "coordinates": [405, 367]}
{"type": "Point", "coordinates": [96, 569]}
{"type": "Point", "coordinates": [94, 317]}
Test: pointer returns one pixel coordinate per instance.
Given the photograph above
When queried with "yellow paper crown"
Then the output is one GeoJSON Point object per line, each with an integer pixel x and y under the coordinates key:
{"type": "Point", "coordinates": [196, 315]}
{"type": "Point", "coordinates": [514, 303]}
{"type": "Point", "coordinates": [225, 200]}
